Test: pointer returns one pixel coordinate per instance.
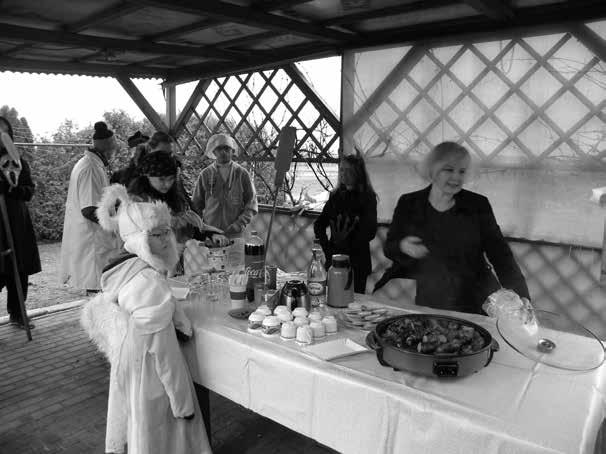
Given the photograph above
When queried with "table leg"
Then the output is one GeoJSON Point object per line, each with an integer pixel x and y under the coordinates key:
{"type": "Point", "coordinates": [203, 395]}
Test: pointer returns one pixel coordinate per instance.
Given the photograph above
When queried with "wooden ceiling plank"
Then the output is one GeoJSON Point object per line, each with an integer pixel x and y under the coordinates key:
{"type": "Point", "coordinates": [90, 69]}
{"type": "Point", "coordinates": [534, 20]}
{"type": "Point", "coordinates": [413, 7]}
{"type": "Point", "coordinates": [111, 13]}
{"type": "Point", "coordinates": [33, 35]}
{"type": "Point", "coordinates": [591, 40]}
{"type": "Point", "coordinates": [248, 16]}
{"type": "Point", "coordinates": [495, 9]}
{"type": "Point", "coordinates": [278, 5]}
{"type": "Point", "coordinates": [184, 30]}
{"type": "Point", "coordinates": [142, 103]}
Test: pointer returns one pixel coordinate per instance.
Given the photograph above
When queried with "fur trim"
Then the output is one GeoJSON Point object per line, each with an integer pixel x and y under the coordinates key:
{"type": "Point", "coordinates": [144, 216]}
{"type": "Point", "coordinates": [7, 142]}
{"type": "Point", "coordinates": [106, 324]}
{"type": "Point", "coordinates": [113, 198]}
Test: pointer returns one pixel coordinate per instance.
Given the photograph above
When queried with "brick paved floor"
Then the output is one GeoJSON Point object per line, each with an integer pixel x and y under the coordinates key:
{"type": "Point", "coordinates": [53, 394]}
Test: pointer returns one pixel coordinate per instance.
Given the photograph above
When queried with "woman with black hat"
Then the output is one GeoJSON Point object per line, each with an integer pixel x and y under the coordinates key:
{"type": "Point", "coordinates": [86, 248]}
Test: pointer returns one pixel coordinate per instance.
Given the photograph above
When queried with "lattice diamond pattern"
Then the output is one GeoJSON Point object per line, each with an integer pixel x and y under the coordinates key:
{"type": "Point", "coordinates": [253, 108]}
{"type": "Point", "coordinates": [526, 101]}
{"type": "Point", "coordinates": [561, 279]}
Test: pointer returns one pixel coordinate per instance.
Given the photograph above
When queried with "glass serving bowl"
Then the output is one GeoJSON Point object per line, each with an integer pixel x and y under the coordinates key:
{"type": "Point", "coordinates": [558, 342]}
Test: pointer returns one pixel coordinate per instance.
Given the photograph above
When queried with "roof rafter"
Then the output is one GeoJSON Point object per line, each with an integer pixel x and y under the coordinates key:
{"type": "Point", "coordinates": [495, 9]}
{"type": "Point", "coordinates": [420, 5]}
{"type": "Point", "coordinates": [28, 34]}
{"type": "Point", "coordinates": [110, 13]}
{"type": "Point", "coordinates": [250, 16]}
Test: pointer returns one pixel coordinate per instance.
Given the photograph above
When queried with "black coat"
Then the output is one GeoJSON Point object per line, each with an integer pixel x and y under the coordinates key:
{"type": "Point", "coordinates": [352, 204]}
{"type": "Point", "coordinates": [455, 274]}
{"type": "Point", "coordinates": [26, 248]}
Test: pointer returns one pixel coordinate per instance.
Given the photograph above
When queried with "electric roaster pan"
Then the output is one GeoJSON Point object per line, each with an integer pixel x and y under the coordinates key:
{"type": "Point", "coordinates": [432, 345]}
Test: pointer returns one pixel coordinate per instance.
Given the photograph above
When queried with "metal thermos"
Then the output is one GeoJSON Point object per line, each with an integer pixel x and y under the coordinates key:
{"type": "Point", "coordinates": [340, 281]}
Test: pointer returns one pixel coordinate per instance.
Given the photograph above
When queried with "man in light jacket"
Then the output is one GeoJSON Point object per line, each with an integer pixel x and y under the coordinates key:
{"type": "Point", "coordinates": [86, 248]}
{"type": "Point", "coordinates": [224, 195]}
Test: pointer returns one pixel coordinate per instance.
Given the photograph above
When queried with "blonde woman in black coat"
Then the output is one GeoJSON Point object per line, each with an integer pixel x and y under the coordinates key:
{"type": "Point", "coordinates": [440, 236]}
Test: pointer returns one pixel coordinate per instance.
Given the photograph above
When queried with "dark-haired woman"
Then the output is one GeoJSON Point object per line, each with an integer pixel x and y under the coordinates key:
{"type": "Point", "coordinates": [158, 180]}
{"type": "Point", "coordinates": [18, 188]}
{"type": "Point", "coordinates": [351, 215]}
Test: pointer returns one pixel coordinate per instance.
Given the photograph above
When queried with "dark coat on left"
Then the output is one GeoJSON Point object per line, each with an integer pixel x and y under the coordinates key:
{"type": "Point", "coordinates": [26, 248]}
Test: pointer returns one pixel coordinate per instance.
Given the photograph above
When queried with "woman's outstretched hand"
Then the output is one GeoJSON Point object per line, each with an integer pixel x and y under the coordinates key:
{"type": "Point", "coordinates": [342, 228]}
{"type": "Point", "coordinates": [413, 246]}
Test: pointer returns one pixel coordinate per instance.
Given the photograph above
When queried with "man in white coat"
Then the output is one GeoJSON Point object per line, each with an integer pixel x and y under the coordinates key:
{"type": "Point", "coordinates": [152, 405]}
{"type": "Point", "coordinates": [86, 248]}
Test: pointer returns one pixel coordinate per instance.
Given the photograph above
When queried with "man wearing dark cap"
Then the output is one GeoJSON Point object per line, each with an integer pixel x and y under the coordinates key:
{"type": "Point", "coordinates": [86, 247]}
{"type": "Point", "coordinates": [137, 149]}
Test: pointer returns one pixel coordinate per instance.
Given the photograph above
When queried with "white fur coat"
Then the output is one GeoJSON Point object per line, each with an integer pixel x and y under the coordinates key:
{"type": "Point", "coordinates": [151, 392]}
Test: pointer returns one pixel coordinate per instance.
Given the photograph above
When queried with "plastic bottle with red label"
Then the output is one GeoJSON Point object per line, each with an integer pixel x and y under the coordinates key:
{"type": "Point", "coordinates": [316, 282]}
{"type": "Point", "coordinates": [254, 251]}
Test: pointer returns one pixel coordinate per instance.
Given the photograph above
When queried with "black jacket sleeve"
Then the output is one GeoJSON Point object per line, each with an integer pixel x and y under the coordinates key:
{"type": "Point", "coordinates": [398, 230]}
{"type": "Point", "coordinates": [499, 254]}
{"type": "Point", "coordinates": [25, 187]}
{"type": "Point", "coordinates": [322, 223]}
{"type": "Point", "coordinates": [367, 226]}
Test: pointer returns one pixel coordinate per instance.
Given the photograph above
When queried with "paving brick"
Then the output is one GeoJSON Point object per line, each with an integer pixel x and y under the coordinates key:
{"type": "Point", "coordinates": [55, 399]}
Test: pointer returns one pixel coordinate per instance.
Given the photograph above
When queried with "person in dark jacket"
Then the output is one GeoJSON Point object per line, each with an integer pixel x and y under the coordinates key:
{"type": "Point", "coordinates": [440, 236]}
{"type": "Point", "coordinates": [158, 180]}
{"type": "Point", "coordinates": [351, 215]}
{"type": "Point", "coordinates": [125, 175]}
{"type": "Point", "coordinates": [18, 188]}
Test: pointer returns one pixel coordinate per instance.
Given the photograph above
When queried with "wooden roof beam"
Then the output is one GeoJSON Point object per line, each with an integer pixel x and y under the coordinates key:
{"type": "Point", "coordinates": [495, 9]}
{"type": "Point", "coordinates": [184, 30]}
{"type": "Point", "coordinates": [590, 39]}
{"type": "Point", "coordinates": [34, 35]}
{"type": "Point", "coordinates": [142, 103]}
{"type": "Point", "coordinates": [89, 69]}
{"type": "Point", "coordinates": [105, 15]}
{"type": "Point", "coordinates": [421, 5]}
{"type": "Point", "coordinates": [249, 16]}
{"type": "Point", "coordinates": [534, 20]}
{"type": "Point", "coordinates": [277, 5]}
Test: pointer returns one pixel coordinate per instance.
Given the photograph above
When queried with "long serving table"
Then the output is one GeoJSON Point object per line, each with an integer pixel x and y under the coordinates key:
{"type": "Point", "coordinates": [355, 405]}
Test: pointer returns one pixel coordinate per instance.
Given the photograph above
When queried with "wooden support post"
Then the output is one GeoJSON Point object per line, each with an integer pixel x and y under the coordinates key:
{"type": "Point", "coordinates": [348, 66]}
{"type": "Point", "coordinates": [10, 252]}
{"type": "Point", "coordinates": [141, 102]}
{"type": "Point", "coordinates": [170, 97]}
{"type": "Point", "coordinates": [591, 40]}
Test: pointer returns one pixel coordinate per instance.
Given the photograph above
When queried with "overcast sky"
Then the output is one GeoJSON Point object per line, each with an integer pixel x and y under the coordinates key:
{"type": "Point", "coordinates": [47, 100]}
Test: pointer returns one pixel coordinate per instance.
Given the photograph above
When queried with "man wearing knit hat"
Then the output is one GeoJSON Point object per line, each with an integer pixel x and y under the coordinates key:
{"type": "Point", "coordinates": [224, 195]}
{"type": "Point", "coordinates": [86, 248]}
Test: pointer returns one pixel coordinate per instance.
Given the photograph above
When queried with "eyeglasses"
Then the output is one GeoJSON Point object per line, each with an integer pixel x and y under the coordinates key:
{"type": "Point", "coordinates": [160, 233]}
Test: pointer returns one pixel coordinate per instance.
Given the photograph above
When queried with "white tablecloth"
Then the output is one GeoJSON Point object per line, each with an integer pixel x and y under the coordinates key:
{"type": "Point", "coordinates": [355, 405]}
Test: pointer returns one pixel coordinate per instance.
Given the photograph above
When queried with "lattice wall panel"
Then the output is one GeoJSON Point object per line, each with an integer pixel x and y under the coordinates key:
{"type": "Point", "coordinates": [525, 102]}
{"type": "Point", "coordinates": [560, 279]}
{"type": "Point", "coordinates": [253, 108]}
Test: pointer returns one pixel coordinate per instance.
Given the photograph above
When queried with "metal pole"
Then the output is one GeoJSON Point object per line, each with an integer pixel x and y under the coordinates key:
{"type": "Point", "coordinates": [11, 252]}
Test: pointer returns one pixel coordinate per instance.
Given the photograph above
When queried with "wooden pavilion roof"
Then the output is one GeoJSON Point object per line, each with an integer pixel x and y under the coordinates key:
{"type": "Point", "coordinates": [183, 40]}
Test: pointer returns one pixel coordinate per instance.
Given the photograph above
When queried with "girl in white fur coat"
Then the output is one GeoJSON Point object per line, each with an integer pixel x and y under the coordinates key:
{"type": "Point", "coordinates": [152, 405]}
